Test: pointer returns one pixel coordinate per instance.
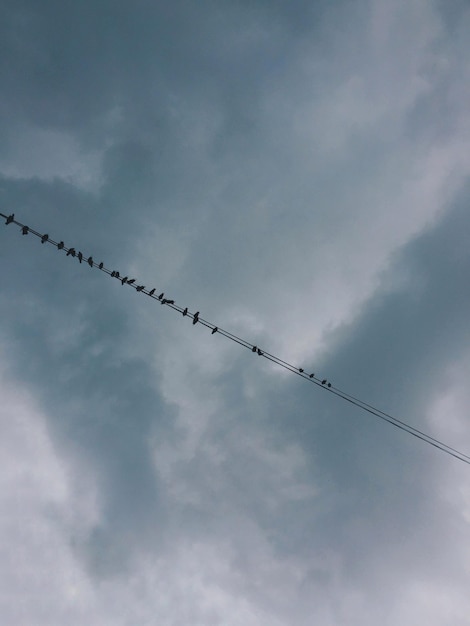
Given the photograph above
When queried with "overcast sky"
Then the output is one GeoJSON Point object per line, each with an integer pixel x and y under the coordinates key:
{"type": "Point", "coordinates": [298, 172]}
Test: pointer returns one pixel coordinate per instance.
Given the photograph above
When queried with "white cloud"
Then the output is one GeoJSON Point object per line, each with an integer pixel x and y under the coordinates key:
{"type": "Point", "coordinates": [44, 507]}
{"type": "Point", "coordinates": [33, 152]}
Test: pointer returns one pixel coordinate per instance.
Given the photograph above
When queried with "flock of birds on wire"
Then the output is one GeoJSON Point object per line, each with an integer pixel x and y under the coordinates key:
{"type": "Point", "coordinates": [125, 280]}
{"type": "Point", "coordinates": [324, 383]}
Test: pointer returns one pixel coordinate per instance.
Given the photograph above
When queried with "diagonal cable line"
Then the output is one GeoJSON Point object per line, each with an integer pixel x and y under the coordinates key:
{"type": "Point", "coordinates": [197, 319]}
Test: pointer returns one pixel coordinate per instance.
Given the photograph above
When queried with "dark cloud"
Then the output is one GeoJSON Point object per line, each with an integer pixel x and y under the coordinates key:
{"type": "Point", "coordinates": [285, 169]}
{"type": "Point", "coordinates": [371, 475]}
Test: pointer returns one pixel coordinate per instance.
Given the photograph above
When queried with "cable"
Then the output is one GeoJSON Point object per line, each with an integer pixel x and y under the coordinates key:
{"type": "Point", "coordinates": [196, 319]}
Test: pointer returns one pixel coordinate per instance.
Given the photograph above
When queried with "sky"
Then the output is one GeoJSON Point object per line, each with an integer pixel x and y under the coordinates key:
{"type": "Point", "coordinates": [298, 172]}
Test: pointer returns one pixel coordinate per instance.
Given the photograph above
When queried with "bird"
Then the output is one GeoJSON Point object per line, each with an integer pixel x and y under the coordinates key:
{"type": "Point", "coordinates": [117, 275]}
{"type": "Point", "coordinates": [101, 265]}
{"type": "Point", "coordinates": [311, 375]}
{"type": "Point", "coordinates": [131, 281]}
{"type": "Point", "coordinates": [165, 301]}
{"type": "Point", "coordinates": [44, 238]}
{"type": "Point", "coordinates": [329, 385]}
{"type": "Point", "coordinates": [161, 296]}
{"type": "Point", "coordinates": [301, 370]}
{"type": "Point", "coordinates": [60, 245]}
{"type": "Point", "coordinates": [140, 288]}
{"type": "Point", "coordinates": [259, 352]}
{"type": "Point", "coordinates": [214, 330]}
{"type": "Point", "coordinates": [71, 251]}
{"type": "Point", "coordinates": [254, 348]}
{"type": "Point", "coordinates": [151, 292]}
{"type": "Point", "coordinates": [124, 280]}
{"type": "Point", "coordinates": [80, 256]}
{"type": "Point", "coordinates": [113, 274]}
{"type": "Point", "coordinates": [90, 261]}
{"type": "Point", "coordinates": [24, 230]}
{"type": "Point", "coordinates": [323, 382]}
{"type": "Point", "coordinates": [10, 219]}
{"type": "Point", "coordinates": [185, 312]}
{"type": "Point", "coordinates": [196, 317]}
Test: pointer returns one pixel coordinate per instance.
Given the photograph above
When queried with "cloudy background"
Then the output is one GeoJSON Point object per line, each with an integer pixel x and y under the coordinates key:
{"type": "Point", "coordinates": [300, 173]}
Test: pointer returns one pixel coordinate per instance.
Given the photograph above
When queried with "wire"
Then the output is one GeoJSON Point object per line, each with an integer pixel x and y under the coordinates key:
{"type": "Point", "coordinates": [196, 319]}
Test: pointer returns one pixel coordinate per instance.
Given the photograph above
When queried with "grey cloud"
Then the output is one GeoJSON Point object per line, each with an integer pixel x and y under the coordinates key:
{"type": "Point", "coordinates": [250, 157]}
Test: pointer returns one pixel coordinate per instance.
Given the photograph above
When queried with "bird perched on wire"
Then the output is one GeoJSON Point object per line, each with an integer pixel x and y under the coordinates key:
{"type": "Point", "coordinates": [71, 251]}
{"type": "Point", "coordinates": [10, 219]}
{"type": "Point", "coordinates": [90, 261]}
{"type": "Point", "coordinates": [311, 375]}
{"type": "Point", "coordinates": [80, 256]}
{"type": "Point", "coordinates": [165, 301]}
{"type": "Point", "coordinates": [152, 291]}
{"type": "Point", "coordinates": [185, 312]}
{"type": "Point", "coordinates": [196, 317]}
{"type": "Point", "coordinates": [254, 348]}
{"type": "Point", "coordinates": [123, 280]}
{"type": "Point", "coordinates": [161, 296]}
{"type": "Point", "coordinates": [60, 245]}
{"type": "Point", "coordinates": [24, 230]}
{"type": "Point", "coordinates": [101, 265]}
{"type": "Point", "coordinates": [140, 288]}
{"type": "Point", "coordinates": [131, 281]}
{"type": "Point", "coordinates": [324, 381]}
{"type": "Point", "coordinates": [214, 330]}
{"type": "Point", "coordinates": [44, 238]}
{"type": "Point", "coordinates": [259, 352]}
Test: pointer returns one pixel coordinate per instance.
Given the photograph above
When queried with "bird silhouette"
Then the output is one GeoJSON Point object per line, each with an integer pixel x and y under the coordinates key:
{"type": "Point", "coordinates": [60, 245]}
{"type": "Point", "coordinates": [329, 385]}
{"type": "Point", "coordinates": [165, 301]}
{"type": "Point", "coordinates": [101, 265]}
{"type": "Point", "coordinates": [161, 296]}
{"type": "Point", "coordinates": [131, 281]}
{"type": "Point", "coordinates": [80, 256]}
{"type": "Point", "coordinates": [254, 348]}
{"type": "Point", "coordinates": [90, 261]}
{"type": "Point", "coordinates": [124, 280]}
{"type": "Point", "coordinates": [259, 352]}
{"type": "Point", "coordinates": [151, 292]}
{"type": "Point", "coordinates": [24, 230]}
{"type": "Point", "coordinates": [44, 238]}
{"type": "Point", "coordinates": [185, 312]}
{"type": "Point", "coordinates": [311, 375]}
{"type": "Point", "coordinates": [140, 288]}
{"type": "Point", "coordinates": [323, 382]}
{"type": "Point", "coordinates": [301, 370]}
{"type": "Point", "coordinates": [10, 219]}
{"type": "Point", "coordinates": [214, 330]}
{"type": "Point", "coordinates": [113, 274]}
{"type": "Point", "coordinates": [196, 317]}
{"type": "Point", "coordinates": [71, 251]}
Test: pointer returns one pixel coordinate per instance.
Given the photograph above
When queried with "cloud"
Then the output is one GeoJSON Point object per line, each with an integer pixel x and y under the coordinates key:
{"type": "Point", "coordinates": [299, 175]}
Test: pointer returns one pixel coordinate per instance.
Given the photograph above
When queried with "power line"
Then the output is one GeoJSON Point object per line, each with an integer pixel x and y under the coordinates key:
{"type": "Point", "coordinates": [197, 319]}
